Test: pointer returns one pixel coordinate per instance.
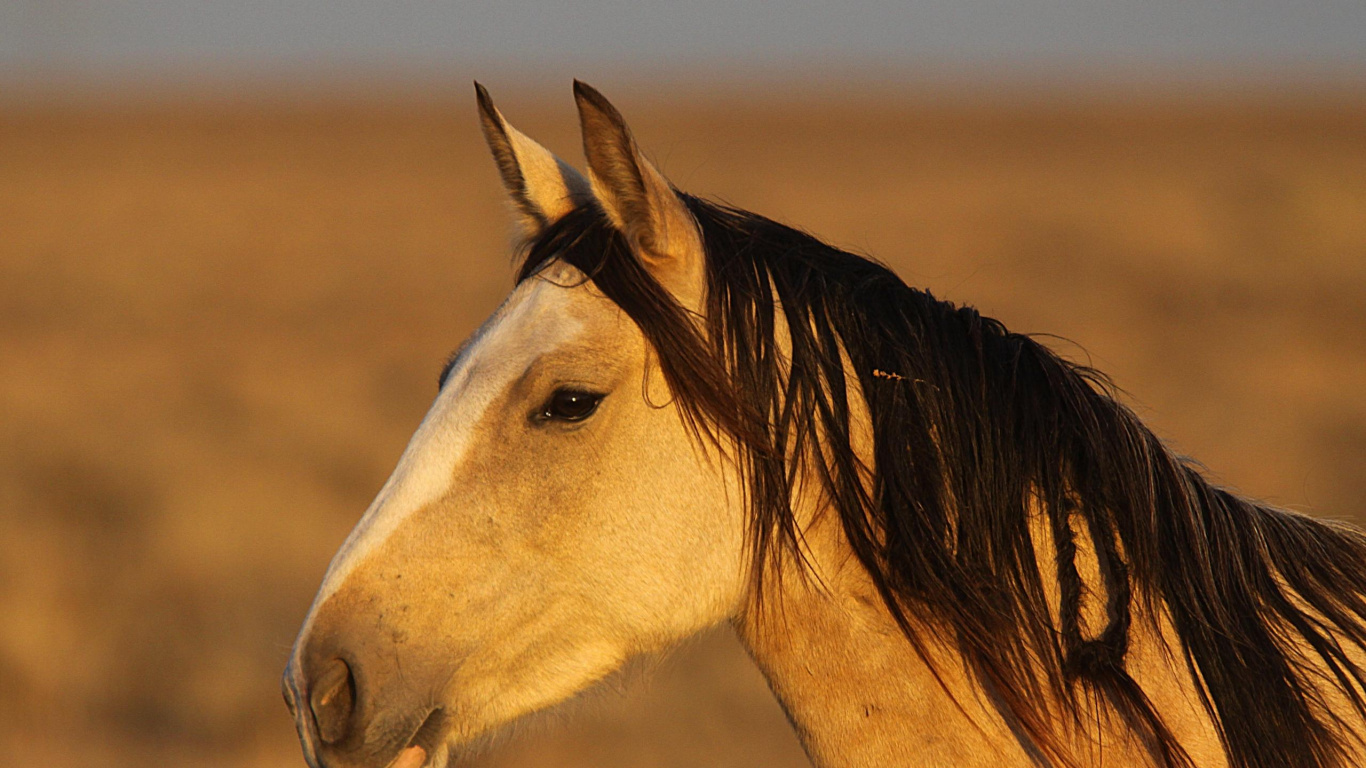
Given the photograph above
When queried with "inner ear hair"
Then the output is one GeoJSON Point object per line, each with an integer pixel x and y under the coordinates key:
{"type": "Point", "coordinates": [500, 145]}
{"type": "Point", "coordinates": [636, 197]}
{"type": "Point", "coordinates": [640, 202]}
{"type": "Point", "coordinates": [612, 166]}
{"type": "Point", "coordinates": [542, 187]}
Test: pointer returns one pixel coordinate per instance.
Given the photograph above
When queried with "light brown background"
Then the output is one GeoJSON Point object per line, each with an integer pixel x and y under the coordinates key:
{"type": "Point", "coordinates": [220, 321]}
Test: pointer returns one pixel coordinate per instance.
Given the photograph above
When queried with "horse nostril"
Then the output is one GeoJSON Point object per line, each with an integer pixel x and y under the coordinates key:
{"type": "Point", "coordinates": [332, 699]}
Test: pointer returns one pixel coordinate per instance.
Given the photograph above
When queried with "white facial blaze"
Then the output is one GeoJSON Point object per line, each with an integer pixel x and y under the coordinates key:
{"type": "Point", "coordinates": [531, 322]}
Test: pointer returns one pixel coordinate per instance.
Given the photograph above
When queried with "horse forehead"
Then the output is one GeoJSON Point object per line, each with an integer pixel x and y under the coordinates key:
{"type": "Point", "coordinates": [539, 315]}
{"type": "Point", "coordinates": [543, 312]}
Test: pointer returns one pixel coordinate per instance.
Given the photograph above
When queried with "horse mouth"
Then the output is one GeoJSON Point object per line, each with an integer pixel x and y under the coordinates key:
{"type": "Point", "coordinates": [423, 744]}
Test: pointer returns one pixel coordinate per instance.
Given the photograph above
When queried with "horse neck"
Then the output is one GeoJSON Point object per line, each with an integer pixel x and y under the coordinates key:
{"type": "Point", "coordinates": [860, 693]}
{"type": "Point", "coordinates": [857, 692]}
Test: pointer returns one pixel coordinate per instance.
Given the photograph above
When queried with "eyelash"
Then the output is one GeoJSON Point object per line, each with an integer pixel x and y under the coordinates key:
{"type": "Point", "coordinates": [569, 405]}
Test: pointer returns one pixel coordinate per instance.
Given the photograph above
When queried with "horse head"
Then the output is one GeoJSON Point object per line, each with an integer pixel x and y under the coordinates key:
{"type": "Point", "coordinates": [553, 515]}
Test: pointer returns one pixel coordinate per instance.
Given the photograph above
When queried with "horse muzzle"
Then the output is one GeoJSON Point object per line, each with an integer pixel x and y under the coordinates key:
{"type": "Point", "coordinates": [360, 699]}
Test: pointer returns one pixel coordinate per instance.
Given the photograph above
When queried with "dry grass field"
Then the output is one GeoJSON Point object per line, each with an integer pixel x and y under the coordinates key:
{"type": "Point", "coordinates": [221, 320]}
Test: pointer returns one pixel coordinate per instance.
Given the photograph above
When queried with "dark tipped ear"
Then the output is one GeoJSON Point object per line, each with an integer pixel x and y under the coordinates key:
{"type": "Point", "coordinates": [639, 200]}
{"type": "Point", "coordinates": [543, 187]}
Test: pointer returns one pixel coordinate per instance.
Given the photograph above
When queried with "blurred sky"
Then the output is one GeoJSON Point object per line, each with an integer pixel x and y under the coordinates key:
{"type": "Point", "coordinates": [114, 40]}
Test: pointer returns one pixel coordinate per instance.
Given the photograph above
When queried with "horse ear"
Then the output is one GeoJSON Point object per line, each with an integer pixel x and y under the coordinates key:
{"type": "Point", "coordinates": [543, 187]}
{"type": "Point", "coordinates": [639, 201]}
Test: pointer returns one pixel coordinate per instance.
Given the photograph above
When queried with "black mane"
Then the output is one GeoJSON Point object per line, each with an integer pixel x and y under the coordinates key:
{"type": "Point", "coordinates": [975, 430]}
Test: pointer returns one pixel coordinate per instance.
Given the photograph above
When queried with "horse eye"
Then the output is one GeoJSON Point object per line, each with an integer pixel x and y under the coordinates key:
{"type": "Point", "coordinates": [570, 405]}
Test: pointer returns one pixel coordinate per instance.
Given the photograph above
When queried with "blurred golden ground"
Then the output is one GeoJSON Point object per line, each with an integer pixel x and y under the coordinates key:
{"type": "Point", "coordinates": [219, 323]}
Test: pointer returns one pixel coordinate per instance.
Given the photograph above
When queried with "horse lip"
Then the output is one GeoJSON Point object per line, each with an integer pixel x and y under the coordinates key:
{"type": "Point", "coordinates": [428, 734]}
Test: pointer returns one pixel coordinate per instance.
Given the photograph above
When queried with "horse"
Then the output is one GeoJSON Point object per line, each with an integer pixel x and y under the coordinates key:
{"type": "Point", "coordinates": [941, 543]}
